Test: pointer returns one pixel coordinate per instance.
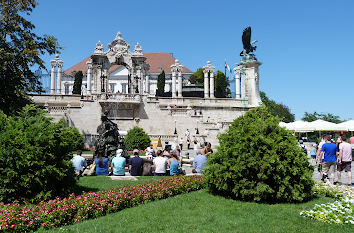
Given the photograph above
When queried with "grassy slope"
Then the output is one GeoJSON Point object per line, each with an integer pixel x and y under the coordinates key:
{"type": "Point", "coordinates": [203, 212]}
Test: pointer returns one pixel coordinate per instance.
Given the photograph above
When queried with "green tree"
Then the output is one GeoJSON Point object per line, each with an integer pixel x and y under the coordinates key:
{"type": "Point", "coordinates": [78, 82]}
{"type": "Point", "coordinates": [161, 83]}
{"type": "Point", "coordinates": [276, 109]}
{"type": "Point", "coordinates": [221, 85]}
{"type": "Point", "coordinates": [323, 116]}
{"type": "Point", "coordinates": [34, 156]}
{"type": "Point", "coordinates": [258, 160]}
{"type": "Point", "coordinates": [197, 77]}
{"type": "Point", "coordinates": [20, 51]}
{"type": "Point", "coordinates": [136, 138]}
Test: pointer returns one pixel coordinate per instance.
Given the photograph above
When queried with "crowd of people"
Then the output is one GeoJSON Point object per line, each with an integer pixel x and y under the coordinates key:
{"type": "Point", "coordinates": [333, 155]}
{"type": "Point", "coordinates": [167, 162]}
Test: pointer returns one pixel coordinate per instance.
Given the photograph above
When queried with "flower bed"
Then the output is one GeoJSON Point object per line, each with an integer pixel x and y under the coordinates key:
{"type": "Point", "coordinates": [340, 211]}
{"type": "Point", "coordinates": [19, 218]}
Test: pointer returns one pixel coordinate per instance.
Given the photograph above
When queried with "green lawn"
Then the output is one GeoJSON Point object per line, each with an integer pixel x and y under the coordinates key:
{"type": "Point", "coordinates": [97, 183]}
{"type": "Point", "coordinates": [203, 212]}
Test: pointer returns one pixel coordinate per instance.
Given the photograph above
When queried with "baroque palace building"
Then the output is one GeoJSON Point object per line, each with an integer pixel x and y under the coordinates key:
{"type": "Point", "coordinates": [124, 84]}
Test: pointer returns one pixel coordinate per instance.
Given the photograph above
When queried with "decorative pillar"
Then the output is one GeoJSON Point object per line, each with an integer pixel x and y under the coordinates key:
{"type": "Point", "coordinates": [180, 82]}
{"type": "Point", "coordinates": [88, 77]}
{"type": "Point", "coordinates": [206, 69]}
{"type": "Point", "coordinates": [212, 84]}
{"type": "Point", "coordinates": [139, 79]}
{"type": "Point", "coordinates": [206, 84]}
{"type": "Point", "coordinates": [237, 84]}
{"type": "Point", "coordinates": [60, 66]}
{"type": "Point", "coordinates": [243, 79]}
{"type": "Point", "coordinates": [147, 84]}
{"type": "Point", "coordinates": [52, 77]}
{"type": "Point", "coordinates": [174, 69]}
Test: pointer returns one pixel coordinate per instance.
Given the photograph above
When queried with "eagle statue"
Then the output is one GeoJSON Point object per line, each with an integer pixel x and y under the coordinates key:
{"type": "Point", "coordinates": [247, 44]}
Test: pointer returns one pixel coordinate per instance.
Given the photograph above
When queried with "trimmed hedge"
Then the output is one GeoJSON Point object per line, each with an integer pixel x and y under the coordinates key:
{"type": "Point", "coordinates": [34, 156]}
{"type": "Point", "coordinates": [59, 212]}
{"type": "Point", "coordinates": [258, 160]}
{"type": "Point", "coordinates": [136, 138]}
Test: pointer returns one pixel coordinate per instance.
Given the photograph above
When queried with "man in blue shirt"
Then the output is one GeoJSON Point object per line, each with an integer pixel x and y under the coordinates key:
{"type": "Point", "coordinates": [136, 164]}
{"type": "Point", "coordinates": [199, 162]}
{"type": "Point", "coordinates": [118, 164]}
{"type": "Point", "coordinates": [329, 155]}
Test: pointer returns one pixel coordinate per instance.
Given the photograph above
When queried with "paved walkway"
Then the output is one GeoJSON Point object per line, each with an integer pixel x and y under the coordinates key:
{"type": "Point", "coordinates": [344, 175]}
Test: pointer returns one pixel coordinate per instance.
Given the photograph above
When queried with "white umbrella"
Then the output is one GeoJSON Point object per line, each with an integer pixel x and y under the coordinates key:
{"type": "Point", "coordinates": [349, 125]}
{"type": "Point", "coordinates": [321, 125]}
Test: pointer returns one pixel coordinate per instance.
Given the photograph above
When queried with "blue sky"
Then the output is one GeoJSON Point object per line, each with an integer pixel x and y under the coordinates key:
{"type": "Point", "coordinates": [306, 47]}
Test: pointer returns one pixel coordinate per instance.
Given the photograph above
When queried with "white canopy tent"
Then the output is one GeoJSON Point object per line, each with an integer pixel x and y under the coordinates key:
{"type": "Point", "coordinates": [349, 125]}
{"type": "Point", "coordinates": [318, 125]}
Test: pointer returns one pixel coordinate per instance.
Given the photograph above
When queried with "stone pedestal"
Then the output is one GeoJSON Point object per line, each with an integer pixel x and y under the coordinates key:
{"type": "Point", "coordinates": [250, 82]}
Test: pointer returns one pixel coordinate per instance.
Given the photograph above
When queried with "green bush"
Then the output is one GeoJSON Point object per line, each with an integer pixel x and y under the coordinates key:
{"type": "Point", "coordinates": [259, 161]}
{"type": "Point", "coordinates": [34, 156]}
{"type": "Point", "coordinates": [136, 138]}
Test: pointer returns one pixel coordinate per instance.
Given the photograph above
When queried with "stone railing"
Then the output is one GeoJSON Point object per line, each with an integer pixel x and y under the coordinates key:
{"type": "Point", "coordinates": [130, 98]}
{"type": "Point", "coordinates": [57, 109]}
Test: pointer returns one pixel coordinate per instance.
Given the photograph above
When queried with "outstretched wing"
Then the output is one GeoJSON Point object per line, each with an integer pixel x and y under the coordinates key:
{"type": "Point", "coordinates": [246, 38]}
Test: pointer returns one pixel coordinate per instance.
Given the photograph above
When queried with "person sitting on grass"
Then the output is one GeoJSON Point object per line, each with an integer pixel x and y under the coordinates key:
{"type": "Point", "coordinates": [101, 165]}
{"type": "Point", "coordinates": [199, 162]}
{"type": "Point", "coordinates": [160, 164]}
{"type": "Point", "coordinates": [118, 164]}
{"type": "Point", "coordinates": [79, 163]}
{"type": "Point", "coordinates": [174, 164]}
{"type": "Point", "coordinates": [136, 164]}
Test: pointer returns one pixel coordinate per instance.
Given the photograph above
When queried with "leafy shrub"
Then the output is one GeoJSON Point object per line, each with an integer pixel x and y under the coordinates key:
{"type": "Point", "coordinates": [59, 212]}
{"type": "Point", "coordinates": [34, 156]}
{"type": "Point", "coordinates": [136, 138]}
{"type": "Point", "coordinates": [259, 161]}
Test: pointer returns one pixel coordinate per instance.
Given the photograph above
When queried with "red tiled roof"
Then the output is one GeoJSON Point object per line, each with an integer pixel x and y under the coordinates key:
{"type": "Point", "coordinates": [155, 60]}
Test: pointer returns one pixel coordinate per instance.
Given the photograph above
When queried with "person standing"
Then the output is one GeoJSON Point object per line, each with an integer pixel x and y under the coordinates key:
{"type": "Point", "coordinates": [136, 164]}
{"type": "Point", "coordinates": [313, 154]}
{"type": "Point", "coordinates": [160, 164]}
{"type": "Point", "coordinates": [79, 163]}
{"type": "Point", "coordinates": [118, 164]}
{"type": "Point", "coordinates": [328, 151]}
{"type": "Point", "coordinates": [344, 161]}
{"type": "Point", "coordinates": [318, 156]}
{"type": "Point", "coordinates": [195, 144]}
{"type": "Point", "coordinates": [181, 143]}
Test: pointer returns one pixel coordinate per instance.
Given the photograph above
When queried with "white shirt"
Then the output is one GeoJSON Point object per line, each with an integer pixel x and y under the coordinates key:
{"type": "Point", "coordinates": [160, 164]}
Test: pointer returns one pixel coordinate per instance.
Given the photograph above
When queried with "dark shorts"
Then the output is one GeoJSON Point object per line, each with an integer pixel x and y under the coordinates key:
{"type": "Point", "coordinates": [347, 166]}
{"type": "Point", "coordinates": [313, 156]}
{"type": "Point", "coordinates": [159, 174]}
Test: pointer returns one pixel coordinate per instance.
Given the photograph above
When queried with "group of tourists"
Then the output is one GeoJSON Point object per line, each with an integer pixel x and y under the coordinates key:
{"type": "Point", "coordinates": [165, 162]}
{"type": "Point", "coordinates": [332, 155]}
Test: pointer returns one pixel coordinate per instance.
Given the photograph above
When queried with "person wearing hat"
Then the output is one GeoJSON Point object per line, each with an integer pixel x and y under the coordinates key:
{"type": "Point", "coordinates": [118, 164]}
{"type": "Point", "coordinates": [136, 164]}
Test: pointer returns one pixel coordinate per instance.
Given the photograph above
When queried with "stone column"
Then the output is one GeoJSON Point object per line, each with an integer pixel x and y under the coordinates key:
{"type": "Point", "coordinates": [52, 77]}
{"type": "Point", "coordinates": [206, 84]}
{"type": "Point", "coordinates": [147, 84]}
{"type": "Point", "coordinates": [179, 84]}
{"type": "Point", "coordinates": [60, 65]}
{"type": "Point", "coordinates": [212, 85]}
{"type": "Point", "coordinates": [139, 80]}
{"type": "Point", "coordinates": [88, 77]}
{"type": "Point", "coordinates": [243, 78]}
{"type": "Point", "coordinates": [173, 84]}
{"type": "Point", "coordinates": [237, 84]}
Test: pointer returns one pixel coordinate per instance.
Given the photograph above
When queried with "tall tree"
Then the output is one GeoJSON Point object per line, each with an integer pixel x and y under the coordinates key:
{"type": "Point", "coordinates": [197, 77]}
{"type": "Point", "coordinates": [20, 51]}
{"type": "Point", "coordinates": [78, 82]}
{"type": "Point", "coordinates": [323, 116]}
{"type": "Point", "coordinates": [221, 85]}
{"type": "Point", "coordinates": [161, 83]}
{"type": "Point", "coordinates": [276, 109]}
